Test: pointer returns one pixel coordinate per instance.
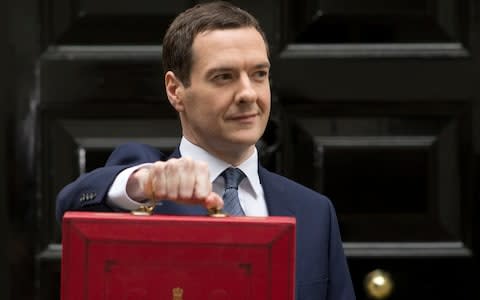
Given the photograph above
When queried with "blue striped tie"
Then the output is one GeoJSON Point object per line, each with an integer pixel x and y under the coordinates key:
{"type": "Point", "coordinates": [233, 177]}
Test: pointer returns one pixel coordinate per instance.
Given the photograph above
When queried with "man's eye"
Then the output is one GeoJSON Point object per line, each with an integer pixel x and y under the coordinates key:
{"type": "Point", "coordinates": [222, 77]}
{"type": "Point", "coordinates": [261, 74]}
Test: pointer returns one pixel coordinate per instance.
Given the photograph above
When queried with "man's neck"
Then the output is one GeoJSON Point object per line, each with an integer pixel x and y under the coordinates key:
{"type": "Point", "coordinates": [234, 156]}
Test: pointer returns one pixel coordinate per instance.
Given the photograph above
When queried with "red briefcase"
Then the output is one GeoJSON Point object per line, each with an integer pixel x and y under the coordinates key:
{"type": "Point", "coordinates": [122, 256]}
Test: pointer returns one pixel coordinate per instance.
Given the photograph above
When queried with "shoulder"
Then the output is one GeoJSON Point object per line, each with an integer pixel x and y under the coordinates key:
{"type": "Point", "coordinates": [295, 192]}
{"type": "Point", "coordinates": [134, 152]}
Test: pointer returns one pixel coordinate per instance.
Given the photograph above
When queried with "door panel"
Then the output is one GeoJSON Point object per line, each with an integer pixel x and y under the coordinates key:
{"type": "Point", "coordinates": [401, 169]}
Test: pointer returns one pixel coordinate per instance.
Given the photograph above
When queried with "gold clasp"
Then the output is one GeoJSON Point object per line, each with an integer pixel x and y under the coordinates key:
{"type": "Point", "coordinates": [144, 210]}
{"type": "Point", "coordinates": [216, 213]}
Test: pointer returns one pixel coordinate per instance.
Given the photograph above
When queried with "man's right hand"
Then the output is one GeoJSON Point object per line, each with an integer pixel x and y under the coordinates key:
{"type": "Point", "coordinates": [182, 180]}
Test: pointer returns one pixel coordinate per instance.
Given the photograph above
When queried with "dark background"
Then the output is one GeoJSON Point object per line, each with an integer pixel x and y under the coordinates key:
{"type": "Point", "coordinates": [375, 104]}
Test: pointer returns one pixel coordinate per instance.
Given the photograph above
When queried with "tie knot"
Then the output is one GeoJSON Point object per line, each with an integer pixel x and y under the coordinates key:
{"type": "Point", "coordinates": [233, 177]}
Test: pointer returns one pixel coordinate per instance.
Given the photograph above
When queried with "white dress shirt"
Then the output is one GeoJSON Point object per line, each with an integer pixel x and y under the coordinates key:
{"type": "Point", "coordinates": [250, 191]}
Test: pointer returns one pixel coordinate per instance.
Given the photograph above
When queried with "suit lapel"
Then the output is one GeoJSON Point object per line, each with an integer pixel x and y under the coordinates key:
{"type": "Point", "coordinates": [277, 203]}
{"type": "Point", "coordinates": [175, 153]}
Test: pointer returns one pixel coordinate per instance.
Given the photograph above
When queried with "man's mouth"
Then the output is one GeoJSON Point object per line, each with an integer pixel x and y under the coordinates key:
{"type": "Point", "coordinates": [243, 117]}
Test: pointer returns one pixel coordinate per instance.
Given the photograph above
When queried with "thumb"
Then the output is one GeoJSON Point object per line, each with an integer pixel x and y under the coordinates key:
{"type": "Point", "coordinates": [139, 186]}
{"type": "Point", "coordinates": [213, 200]}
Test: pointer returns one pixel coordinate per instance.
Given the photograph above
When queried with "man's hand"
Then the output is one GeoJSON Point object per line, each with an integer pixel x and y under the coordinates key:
{"type": "Point", "coordinates": [182, 180]}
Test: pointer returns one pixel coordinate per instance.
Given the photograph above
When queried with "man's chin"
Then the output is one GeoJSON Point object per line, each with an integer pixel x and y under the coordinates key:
{"type": "Point", "coordinates": [245, 140]}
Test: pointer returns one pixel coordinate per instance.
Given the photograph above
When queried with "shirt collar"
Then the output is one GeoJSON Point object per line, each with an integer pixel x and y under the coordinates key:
{"type": "Point", "coordinates": [217, 166]}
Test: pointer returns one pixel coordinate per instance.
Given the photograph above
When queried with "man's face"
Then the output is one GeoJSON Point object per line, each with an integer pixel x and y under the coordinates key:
{"type": "Point", "coordinates": [227, 104]}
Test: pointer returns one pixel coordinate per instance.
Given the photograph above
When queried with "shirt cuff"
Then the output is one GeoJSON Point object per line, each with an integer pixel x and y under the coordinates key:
{"type": "Point", "coordinates": [117, 194]}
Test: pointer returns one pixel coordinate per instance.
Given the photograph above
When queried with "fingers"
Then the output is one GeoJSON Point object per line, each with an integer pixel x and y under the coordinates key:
{"type": "Point", "coordinates": [185, 188]}
{"type": "Point", "coordinates": [156, 181]}
{"type": "Point", "coordinates": [203, 186]}
{"type": "Point", "coordinates": [181, 180]}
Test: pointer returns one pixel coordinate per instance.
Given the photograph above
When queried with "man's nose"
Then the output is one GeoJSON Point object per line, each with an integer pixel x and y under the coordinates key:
{"type": "Point", "coordinates": [247, 92]}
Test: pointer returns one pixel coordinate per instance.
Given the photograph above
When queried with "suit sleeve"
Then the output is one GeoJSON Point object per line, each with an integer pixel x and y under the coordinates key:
{"type": "Point", "coordinates": [88, 192]}
{"type": "Point", "coordinates": [340, 283]}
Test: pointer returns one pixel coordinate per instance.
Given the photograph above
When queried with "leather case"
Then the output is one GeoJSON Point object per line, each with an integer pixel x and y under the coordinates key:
{"type": "Point", "coordinates": [122, 256]}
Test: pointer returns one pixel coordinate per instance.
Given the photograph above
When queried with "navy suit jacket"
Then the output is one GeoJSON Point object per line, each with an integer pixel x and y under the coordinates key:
{"type": "Point", "coordinates": [321, 267]}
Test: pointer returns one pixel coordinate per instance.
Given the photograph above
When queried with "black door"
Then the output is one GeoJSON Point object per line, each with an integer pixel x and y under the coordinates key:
{"type": "Point", "coordinates": [381, 114]}
{"type": "Point", "coordinates": [375, 104]}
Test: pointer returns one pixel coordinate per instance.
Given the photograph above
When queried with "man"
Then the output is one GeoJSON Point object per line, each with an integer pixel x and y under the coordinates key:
{"type": "Point", "coordinates": [216, 64]}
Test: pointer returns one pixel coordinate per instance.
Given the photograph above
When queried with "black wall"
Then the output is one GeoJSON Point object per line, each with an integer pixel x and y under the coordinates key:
{"type": "Point", "coordinates": [4, 101]}
{"type": "Point", "coordinates": [20, 40]}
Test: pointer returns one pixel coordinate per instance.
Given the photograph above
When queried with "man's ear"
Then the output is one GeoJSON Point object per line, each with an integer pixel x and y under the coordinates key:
{"type": "Point", "coordinates": [175, 91]}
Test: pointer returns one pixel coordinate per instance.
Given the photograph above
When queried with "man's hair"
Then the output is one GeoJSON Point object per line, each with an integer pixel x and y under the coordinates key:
{"type": "Point", "coordinates": [177, 43]}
